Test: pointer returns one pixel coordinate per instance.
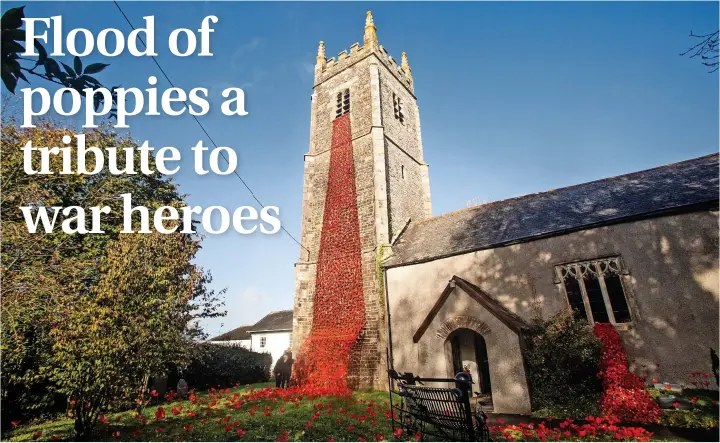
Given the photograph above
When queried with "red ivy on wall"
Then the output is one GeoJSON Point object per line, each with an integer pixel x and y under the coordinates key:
{"type": "Point", "coordinates": [624, 393]}
{"type": "Point", "coordinates": [339, 307]}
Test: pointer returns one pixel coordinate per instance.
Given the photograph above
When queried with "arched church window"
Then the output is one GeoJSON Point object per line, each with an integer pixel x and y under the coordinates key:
{"type": "Point", "coordinates": [342, 106]}
{"type": "Point", "coordinates": [594, 290]}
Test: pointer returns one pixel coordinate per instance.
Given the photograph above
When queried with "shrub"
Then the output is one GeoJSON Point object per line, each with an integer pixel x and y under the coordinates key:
{"type": "Point", "coordinates": [220, 366]}
{"type": "Point", "coordinates": [689, 419]}
{"type": "Point", "coordinates": [562, 360]}
{"type": "Point", "coordinates": [624, 393]}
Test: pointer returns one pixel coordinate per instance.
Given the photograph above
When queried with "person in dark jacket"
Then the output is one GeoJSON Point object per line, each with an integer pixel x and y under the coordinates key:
{"type": "Point", "coordinates": [282, 370]}
{"type": "Point", "coordinates": [289, 365]}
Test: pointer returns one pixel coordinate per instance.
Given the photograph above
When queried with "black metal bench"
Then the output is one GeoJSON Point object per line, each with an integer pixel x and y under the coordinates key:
{"type": "Point", "coordinates": [441, 412]}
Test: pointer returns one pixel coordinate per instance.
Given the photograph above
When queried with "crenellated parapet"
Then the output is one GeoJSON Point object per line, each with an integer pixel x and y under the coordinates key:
{"type": "Point", "coordinates": [329, 67]}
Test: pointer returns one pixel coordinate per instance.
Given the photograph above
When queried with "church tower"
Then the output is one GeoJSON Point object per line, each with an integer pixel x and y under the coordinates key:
{"type": "Point", "coordinates": [365, 179]}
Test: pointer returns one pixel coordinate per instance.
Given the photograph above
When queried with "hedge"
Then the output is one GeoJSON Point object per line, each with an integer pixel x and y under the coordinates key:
{"type": "Point", "coordinates": [222, 366]}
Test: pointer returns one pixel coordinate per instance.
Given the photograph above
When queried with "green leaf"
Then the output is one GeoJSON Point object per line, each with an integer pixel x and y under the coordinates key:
{"type": "Point", "coordinates": [12, 19]}
{"type": "Point", "coordinates": [90, 79]}
{"type": "Point", "coordinates": [12, 47]}
{"type": "Point", "coordinates": [95, 68]}
{"type": "Point", "coordinates": [9, 80]}
{"type": "Point", "coordinates": [52, 67]}
{"type": "Point", "coordinates": [78, 65]}
{"type": "Point", "coordinates": [14, 34]}
{"type": "Point", "coordinates": [69, 70]}
{"type": "Point", "coordinates": [42, 53]}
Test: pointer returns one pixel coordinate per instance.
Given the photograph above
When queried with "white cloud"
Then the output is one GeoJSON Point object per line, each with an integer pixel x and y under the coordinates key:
{"type": "Point", "coordinates": [236, 60]}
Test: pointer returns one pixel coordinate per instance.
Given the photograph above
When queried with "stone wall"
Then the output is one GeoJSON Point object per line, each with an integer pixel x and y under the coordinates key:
{"type": "Point", "coordinates": [672, 286]}
{"type": "Point", "coordinates": [384, 150]}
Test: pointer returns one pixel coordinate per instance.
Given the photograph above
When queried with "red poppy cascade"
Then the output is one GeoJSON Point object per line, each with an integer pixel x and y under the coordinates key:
{"type": "Point", "coordinates": [338, 308]}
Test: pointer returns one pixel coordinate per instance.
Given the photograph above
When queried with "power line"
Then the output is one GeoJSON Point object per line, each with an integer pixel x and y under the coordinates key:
{"type": "Point", "coordinates": [204, 130]}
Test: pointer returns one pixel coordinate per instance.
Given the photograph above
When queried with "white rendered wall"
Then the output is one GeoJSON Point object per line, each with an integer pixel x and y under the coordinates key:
{"type": "Point", "coordinates": [276, 343]}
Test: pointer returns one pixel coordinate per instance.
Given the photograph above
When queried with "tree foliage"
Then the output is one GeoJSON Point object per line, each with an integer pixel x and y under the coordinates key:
{"type": "Point", "coordinates": [88, 316]}
{"type": "Point", "coordinates": [16, 67]}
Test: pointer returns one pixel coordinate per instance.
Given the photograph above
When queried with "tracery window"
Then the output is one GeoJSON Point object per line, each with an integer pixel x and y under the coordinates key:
{"type": "Point", "coordinates": [343, 103]}
{"type": "Point", "coordinates": [594, 289]}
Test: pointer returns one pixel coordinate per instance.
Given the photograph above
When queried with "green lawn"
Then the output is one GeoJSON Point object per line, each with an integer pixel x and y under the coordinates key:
{"type": "Point", "coordinates": [263, 416]}
{"type": "Point", "coordinates": [261, 413]}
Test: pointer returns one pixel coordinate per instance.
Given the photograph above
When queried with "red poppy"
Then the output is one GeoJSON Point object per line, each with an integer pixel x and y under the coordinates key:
{"type": "Point", "coordinates": [379, 437]}
{"type": "Point", "coordinates": [240, 432]}
{"type": "Point", "coordinates": [160, 413]}
{"type": "Point", "coordinates": [159, 430]}
{"type": "Point", "coordinates": [37, 435]}
{"type": "Point", "coordinates": [103, 420]}
{"type": "Point", "coordinates": [398, 432]}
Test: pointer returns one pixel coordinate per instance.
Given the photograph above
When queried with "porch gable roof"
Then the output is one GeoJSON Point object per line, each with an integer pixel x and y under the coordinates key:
{"type": "Point", "coordinates": [507, 317]}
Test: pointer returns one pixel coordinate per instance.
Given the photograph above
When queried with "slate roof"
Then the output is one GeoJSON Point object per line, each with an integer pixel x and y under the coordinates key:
{"type": "Point", "coordinates": [274, 321]}
{"type": "Point", "coordinates": [684, 186]}
{"type": "Point", "coordinates": [240, 333]}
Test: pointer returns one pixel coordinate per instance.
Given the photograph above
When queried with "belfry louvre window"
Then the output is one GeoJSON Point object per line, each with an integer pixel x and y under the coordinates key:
{"type": "Point", "coordinates": [594, 289]}
{"type": "Point", "coordinates": [397, 107]}
{"type": "Point", "coordinates": [342, 106]}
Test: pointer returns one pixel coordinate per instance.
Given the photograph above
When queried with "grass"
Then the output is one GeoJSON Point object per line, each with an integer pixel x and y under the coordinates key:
{"type": "Point", "coordinates": [260, 413]}
{"type": "Point", "coordinates": [262, 416]}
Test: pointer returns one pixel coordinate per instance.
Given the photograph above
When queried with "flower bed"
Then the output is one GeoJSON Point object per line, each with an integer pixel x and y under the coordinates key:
{"type": "Point", "coordinates": [624, 393]}
{"type": "Point", "coordinates": [596, 429]}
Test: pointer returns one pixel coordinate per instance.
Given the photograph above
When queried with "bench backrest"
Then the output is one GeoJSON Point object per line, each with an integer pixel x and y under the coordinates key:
{"type": "Point", "coordinates": [447, 409]}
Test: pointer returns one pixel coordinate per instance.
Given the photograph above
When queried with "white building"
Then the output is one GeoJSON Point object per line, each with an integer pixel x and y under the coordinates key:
{"type": "Point", "coordinates": [272, 334]}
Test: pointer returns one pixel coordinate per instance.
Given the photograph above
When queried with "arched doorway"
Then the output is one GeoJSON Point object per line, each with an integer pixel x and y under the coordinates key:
{"type": "Point", "coordinates": [468, 350]}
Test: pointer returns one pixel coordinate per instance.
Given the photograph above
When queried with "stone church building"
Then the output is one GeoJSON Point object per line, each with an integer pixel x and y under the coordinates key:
{"type": "Point", "coordinates": [458, 290]}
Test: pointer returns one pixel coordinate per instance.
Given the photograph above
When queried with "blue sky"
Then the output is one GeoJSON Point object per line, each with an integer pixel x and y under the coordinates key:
{"type": "Point", "coordinates": [515, 98]}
